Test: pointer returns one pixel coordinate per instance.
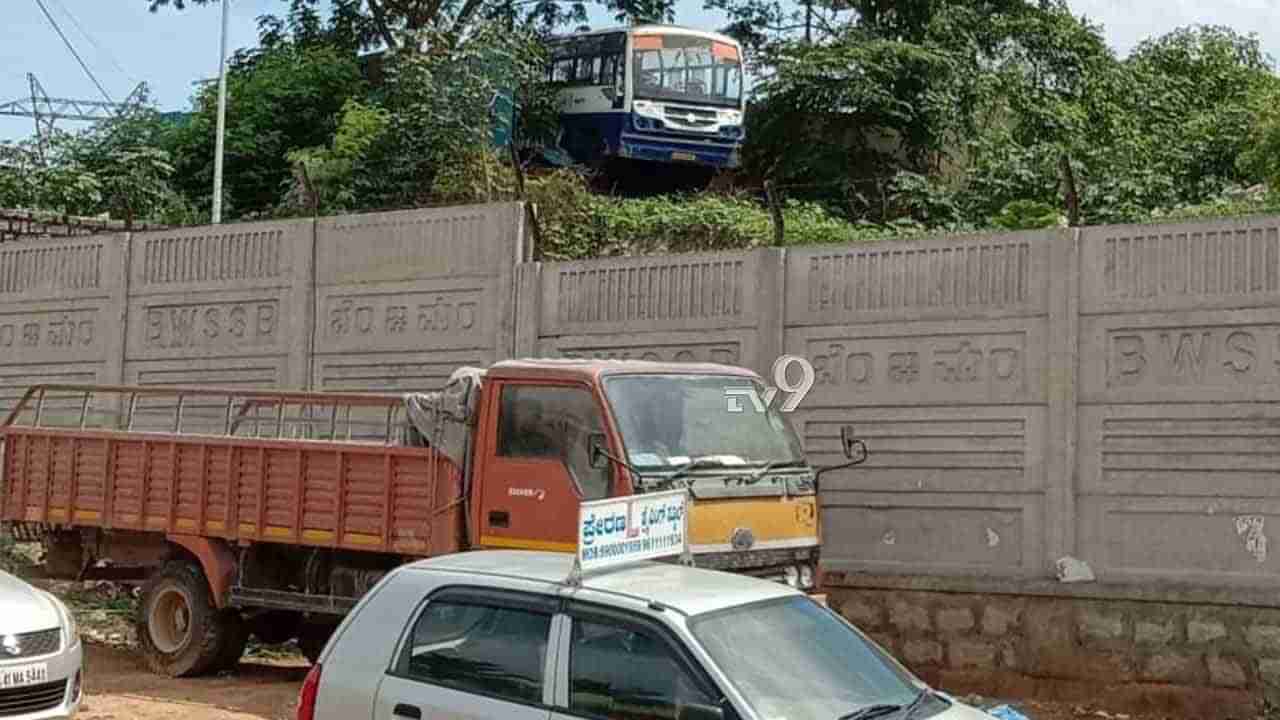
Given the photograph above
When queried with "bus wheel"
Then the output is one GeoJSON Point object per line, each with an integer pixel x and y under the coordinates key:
{"type": "Point", "coordinates": [180, 631]}
{"type": "Point", "coordinates": [312, 638]}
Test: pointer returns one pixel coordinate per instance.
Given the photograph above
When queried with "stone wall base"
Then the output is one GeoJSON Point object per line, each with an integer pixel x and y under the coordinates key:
{"type": "Point", "coordinates": [1180, 659]}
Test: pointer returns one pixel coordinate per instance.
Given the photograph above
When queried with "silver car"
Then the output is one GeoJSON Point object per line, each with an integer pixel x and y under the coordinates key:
{"type": "Point", "coordinates": [501, 634]}
{"type": "Point", "coordinates": [40, 654]}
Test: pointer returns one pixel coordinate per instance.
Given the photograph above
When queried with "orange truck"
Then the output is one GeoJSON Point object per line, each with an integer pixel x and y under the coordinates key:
{"type": "Point", "coordinates": [271, 513]}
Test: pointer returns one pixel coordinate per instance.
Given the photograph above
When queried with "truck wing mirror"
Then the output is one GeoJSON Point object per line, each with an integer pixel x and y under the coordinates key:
{"type": "Point", "coordinates": [854, 450]}
{"type": "Point", "coordinates": [597, 456]}
{"type": "Point", "coordinates": [852, 447]}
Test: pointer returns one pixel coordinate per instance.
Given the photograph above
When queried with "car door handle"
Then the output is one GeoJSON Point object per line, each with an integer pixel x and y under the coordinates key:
{"type": "Point", "coordinates": [412, 712]}
{"type": "Point", "coordinates": [500, 518]}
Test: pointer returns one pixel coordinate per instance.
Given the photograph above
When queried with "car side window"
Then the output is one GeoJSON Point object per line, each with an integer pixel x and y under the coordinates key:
{"type": "Point", "coordinates": [617, 672]}
{"type": "Point", "coordinates": [551, 421]}
{"type": "Point", "coordinates": [473, 647]}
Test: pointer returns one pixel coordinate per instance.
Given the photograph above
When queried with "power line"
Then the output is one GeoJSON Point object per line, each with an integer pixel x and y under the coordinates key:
{"type": "Point", "coordinates": [72, 48]}
{"type": "Point", "coordinates": [92, 41]}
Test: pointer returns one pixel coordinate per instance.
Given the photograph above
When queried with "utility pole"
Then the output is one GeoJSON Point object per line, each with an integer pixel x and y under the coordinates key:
{"type": "Point", "coordinates": [222, 115]}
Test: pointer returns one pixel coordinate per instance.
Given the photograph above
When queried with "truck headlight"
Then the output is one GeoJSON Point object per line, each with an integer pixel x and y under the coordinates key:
{"type": "Point", "coordinates": [793, 576]}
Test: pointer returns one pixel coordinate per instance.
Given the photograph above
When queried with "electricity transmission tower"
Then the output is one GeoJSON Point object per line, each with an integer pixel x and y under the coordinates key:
{"type": "Point", "coordinates": [45, 110]}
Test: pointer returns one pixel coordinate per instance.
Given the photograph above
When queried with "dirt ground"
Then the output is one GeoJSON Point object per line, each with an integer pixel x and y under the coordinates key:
{"type": "Point", "coordinates": [119, 687]}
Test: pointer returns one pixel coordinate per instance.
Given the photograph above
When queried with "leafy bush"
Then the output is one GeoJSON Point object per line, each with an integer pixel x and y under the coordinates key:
{"type": "Point", "coordinates": [1028, 215]}
{"type": "Point", "coordinates": [577, 224]}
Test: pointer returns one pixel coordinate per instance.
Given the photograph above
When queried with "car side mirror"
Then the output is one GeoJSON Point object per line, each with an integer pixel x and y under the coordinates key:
{"type": "Point", "coordinates": [695, 711]}
{"type": "Point", "coordinates": [597, 456]}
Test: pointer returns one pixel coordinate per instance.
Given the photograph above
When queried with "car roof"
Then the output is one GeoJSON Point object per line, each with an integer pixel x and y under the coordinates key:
{"type": "Point", "coordinates": [688, 590]}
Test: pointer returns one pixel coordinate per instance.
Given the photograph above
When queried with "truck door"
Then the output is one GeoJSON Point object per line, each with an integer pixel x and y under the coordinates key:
{"type": "Point", "coordinates": [535, 468]}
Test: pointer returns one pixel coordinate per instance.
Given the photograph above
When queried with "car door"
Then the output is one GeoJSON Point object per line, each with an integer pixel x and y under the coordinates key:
{"type": "Point", "coordinates": [472, 654]}
{"type": "Point", "coordinates": [536, 467]}
{"type": "Point", "coordinates": [616, 666]}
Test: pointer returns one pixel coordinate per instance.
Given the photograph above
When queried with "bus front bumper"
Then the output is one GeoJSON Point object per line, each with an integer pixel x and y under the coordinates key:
{"type": "Point", "coordinates": [673, 150]}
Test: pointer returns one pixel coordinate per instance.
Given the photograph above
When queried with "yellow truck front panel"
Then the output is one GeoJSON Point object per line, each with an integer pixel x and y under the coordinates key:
{"type": "Point", "coordinates": [758, 523]}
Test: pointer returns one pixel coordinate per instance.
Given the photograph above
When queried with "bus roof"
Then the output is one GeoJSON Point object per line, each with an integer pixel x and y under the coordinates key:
{"type": "Point", "coordinates": [651, 28]}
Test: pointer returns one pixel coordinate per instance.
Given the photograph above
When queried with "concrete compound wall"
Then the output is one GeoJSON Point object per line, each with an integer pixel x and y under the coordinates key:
{"type": "Point", "coordinates": [1106, 393]}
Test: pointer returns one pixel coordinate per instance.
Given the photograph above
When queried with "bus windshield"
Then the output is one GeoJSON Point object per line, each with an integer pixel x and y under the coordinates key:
{"type": "Point", "coordinates": [687, 69]}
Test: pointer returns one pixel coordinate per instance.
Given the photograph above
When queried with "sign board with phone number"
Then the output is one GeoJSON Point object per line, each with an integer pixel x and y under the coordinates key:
{"type": "Point", "coordinates": [619, 531]}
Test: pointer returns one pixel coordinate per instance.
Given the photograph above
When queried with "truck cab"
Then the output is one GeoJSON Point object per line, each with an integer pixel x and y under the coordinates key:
{"type": "Point", "coordinates": [553, 433]}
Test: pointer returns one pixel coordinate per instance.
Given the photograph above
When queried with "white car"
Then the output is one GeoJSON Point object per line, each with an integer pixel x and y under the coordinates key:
{"type": "Point", "coordinates": [40, 654]}
{"type": "Point", "coordinates": [505, 635]}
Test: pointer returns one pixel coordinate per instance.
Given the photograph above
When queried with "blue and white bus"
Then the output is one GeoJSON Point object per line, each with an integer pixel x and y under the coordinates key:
{"type": "Point", "coordinates": [650, 92]}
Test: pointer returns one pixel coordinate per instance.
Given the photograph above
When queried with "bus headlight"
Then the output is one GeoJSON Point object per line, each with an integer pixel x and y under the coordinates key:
{"type": "Point", "coordinates": [646, 109]}
{"type": "Point", "coordinates": [793, 576]}
{"type": "Point", "coordinates": [806, 577]}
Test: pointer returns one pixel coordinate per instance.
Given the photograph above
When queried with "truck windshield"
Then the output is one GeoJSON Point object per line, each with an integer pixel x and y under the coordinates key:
{"type": "Point", "coordinates": [795, 659]}
{"type": "Point", "coordinates": [670, 420]}
{"type": "Point", "coordinates": [687, 69]}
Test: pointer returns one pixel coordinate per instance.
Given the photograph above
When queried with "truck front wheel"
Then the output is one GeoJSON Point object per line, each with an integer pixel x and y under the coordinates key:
{"type": "Point", "coordinates": [181, 632]}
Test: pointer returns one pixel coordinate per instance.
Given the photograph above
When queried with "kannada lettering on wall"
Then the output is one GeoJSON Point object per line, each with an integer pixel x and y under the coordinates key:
{"type": "Point", "coordinates": [352, 321]}
{"type": "Point", "coordinates": [1190, 356]}
{"type": "Point", "coordinates": [52, 331]}
{"type": "Point", "coordinates": [229, 325]}
{"type": "Point", "coordinates": [951, 361]}
{"type": "Point", "coordinates": [722, 353]}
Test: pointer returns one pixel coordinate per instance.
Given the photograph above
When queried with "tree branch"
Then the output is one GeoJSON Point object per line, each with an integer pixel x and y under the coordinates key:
{"type": "Point", "coordinates": [380, 21]}
{"type": "Point", "coordinates": [469, 8]}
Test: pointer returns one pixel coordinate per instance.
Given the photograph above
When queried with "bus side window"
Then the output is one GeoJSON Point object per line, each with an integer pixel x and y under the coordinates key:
{"type": "Point", "coordinates": [609, 70]}
{"type": "Point", "coordinates": [562, 70]}
{"type": "Point", "coordinates": [588, 70]}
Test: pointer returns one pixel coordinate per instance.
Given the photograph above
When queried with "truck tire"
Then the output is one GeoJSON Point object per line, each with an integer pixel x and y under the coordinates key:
{"type": "Point", "coordinates": [181, 633]}
{"type": "Point", "coordinates": [312, 638]}
{"type": "Point", "coordinates": [235, 638]}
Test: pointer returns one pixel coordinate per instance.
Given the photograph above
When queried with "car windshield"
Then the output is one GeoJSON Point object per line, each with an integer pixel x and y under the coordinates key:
{"type": "Point", "coordinates": [668, 421]}
{"type": "Point", "coordinates": [791, 658]}
{"type": "Point", "coordinates": [685, 68]}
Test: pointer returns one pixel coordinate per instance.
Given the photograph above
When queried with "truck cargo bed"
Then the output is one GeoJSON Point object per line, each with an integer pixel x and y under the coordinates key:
{"type": "Point", "coordinates": [325, 493]}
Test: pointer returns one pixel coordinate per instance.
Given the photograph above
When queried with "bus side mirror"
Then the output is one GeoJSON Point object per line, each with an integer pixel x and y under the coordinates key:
{"type": "Point", "coordinates": [597, 456]}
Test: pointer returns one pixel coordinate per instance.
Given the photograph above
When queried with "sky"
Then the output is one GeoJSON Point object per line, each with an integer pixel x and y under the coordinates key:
{"type": "Point", "coordinates": [123, 43]}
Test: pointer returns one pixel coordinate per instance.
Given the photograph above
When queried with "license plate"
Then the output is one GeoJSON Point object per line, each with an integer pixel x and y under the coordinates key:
{"type": "Point", "coordinates": [20, 675]}
{"type": "Point", "coordinates": [689, 157]}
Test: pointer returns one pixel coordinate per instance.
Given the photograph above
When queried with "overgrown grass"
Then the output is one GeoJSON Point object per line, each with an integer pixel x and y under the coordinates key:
{"type": "Point", "coordinates": [576, 224]}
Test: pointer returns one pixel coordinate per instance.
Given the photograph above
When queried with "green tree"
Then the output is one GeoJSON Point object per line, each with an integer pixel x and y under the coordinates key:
{"type": "Point", "coordinates": [439, 106]}
{"type": "Point", "coordinates": [116, 168]}
{"type": "Point", "coordinates": [395, 24]}
{"type": "Point", "coordinates": [1260, 160]}
{"type": "Point", "coordinates": [281, 99]}
{"type": "Point", "coordinates": [325, 176]}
